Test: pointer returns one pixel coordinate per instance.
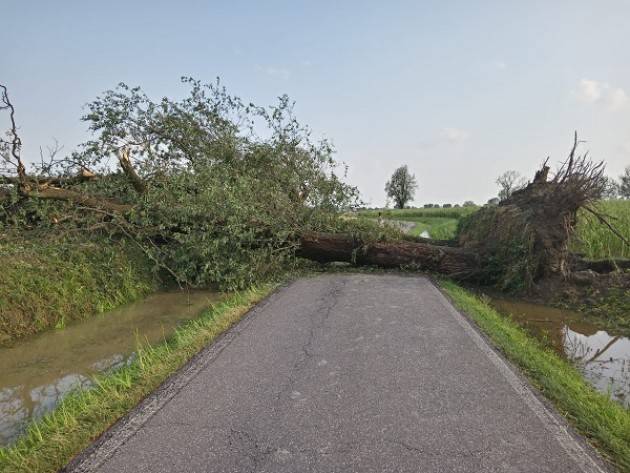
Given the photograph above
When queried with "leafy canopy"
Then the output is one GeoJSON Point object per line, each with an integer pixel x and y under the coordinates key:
{"type": "Point", "coordinates": [216, 187]}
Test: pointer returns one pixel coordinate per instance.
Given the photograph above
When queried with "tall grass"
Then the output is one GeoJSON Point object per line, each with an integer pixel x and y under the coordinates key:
{"type": "Point", "coordinates": [47, 282]}
{"type": "Point", "coordinates": [595, 240]}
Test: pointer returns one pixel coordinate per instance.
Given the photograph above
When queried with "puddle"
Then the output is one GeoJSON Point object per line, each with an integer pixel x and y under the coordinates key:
{"type": "Point", "coordinates": [38, 371]}
{"type": "Point", "coordinates": [602, 356]}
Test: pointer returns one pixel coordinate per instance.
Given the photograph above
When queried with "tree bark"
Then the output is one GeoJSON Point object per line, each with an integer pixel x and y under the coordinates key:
{"type": "Point", "coordinates": [326, 247]}
{"type": "Point", "coordinates": [55, 193]}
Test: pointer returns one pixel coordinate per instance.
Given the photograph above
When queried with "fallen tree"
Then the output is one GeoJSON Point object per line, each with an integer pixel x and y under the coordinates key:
{"type": "Point", "coordinates": [212, 189]}
{"type": "Point", "coordinates": [455, 262]}
{"type": "Point", "coordinates": [522, 240]}
{"type": "Point", "coordinates": [209, 201]}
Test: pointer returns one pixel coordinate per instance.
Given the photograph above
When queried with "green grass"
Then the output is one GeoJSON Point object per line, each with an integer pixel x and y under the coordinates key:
{"type": "Point", "coordinates": [439, 228]}
{"type": "Point", "coordinates": [47, 282]}
{"type": "Point", "coordinates": [441, 224]}
{"type": "Point", "coordinates": [403, 214]}
{"type": "Point", "coordinates": [80, 417]}
{"type": "Point", "coordinates": [595, 240]}
{"type": "Point", "coordinates": [605, 422]}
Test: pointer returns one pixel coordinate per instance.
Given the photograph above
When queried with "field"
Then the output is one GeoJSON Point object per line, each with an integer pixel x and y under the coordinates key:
{"type": "Point", "coordinates": [440, 224]}
{"type": "Point", "coordinates": [593, 239]}
{"type": "Point", "coordinates": [440, 228]}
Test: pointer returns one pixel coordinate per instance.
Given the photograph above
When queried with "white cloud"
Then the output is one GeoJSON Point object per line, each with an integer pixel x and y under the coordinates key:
{"type": "Point", "coordinates": [500, 65]}
{"type": "Point", "coordinates": [454, 135]}
{"type": "Point", "coordinates": [597, 92]}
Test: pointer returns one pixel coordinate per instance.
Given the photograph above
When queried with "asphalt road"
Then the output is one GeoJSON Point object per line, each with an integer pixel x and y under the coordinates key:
{"type": "Point", "coordinates": [345, 373]}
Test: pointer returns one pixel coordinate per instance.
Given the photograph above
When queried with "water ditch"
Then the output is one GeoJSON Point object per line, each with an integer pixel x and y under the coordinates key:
{"type": "Point", "coordinates": [38, 371]}
{"type": "Point", "coordinates": [601, 355]}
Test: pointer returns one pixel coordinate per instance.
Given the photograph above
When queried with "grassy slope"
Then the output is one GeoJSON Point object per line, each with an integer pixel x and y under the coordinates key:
{"type": "Point", "coordinates": [53, 441]}
{"type": "Point", "coordinates": [45, 283]}
{"type": "Point", "coordinates": [603, 421]}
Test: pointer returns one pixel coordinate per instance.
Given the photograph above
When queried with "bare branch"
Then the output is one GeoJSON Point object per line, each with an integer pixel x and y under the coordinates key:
{"type": "Point", "coordinates": [15, 143]}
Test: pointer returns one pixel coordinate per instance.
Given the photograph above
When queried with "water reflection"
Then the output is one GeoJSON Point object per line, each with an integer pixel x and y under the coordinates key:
{"type": "Point", "coordinates": [37, 372]}
{"type": "Point", "coordinates": [602, 356]}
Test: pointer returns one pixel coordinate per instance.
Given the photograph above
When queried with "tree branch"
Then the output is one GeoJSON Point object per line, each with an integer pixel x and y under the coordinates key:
{"type": "Point", "coordinates": [55, 193]}
{"type": "Point", "coordinates": [125, 163]}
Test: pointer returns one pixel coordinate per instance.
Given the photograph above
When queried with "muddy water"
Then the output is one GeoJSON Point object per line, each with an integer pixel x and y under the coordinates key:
{"type": "Point", "coordinates": [602, 356]}
{"type": "Point", "coordinates": [38, 371]}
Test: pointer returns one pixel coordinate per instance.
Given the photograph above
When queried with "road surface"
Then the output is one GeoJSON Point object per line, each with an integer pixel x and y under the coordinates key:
{"type": "Point", "coordinates": [345, 373]}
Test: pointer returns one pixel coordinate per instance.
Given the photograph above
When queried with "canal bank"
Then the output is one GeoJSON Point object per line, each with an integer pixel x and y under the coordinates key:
{"type": "Point", "coordinates": [600, 353]}
{"type": "Point", "coordinates": [37, 372]}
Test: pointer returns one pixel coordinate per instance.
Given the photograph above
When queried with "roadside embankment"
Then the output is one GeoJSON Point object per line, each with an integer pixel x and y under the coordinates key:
{"type": "Point", "coordinates": [48, 282]}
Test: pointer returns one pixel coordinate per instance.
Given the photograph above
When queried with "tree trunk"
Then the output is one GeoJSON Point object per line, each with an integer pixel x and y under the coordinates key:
{"type": "Point", "coordinates": [326, 247]}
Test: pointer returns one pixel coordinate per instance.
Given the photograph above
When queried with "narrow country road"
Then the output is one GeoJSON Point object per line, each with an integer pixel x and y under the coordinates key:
{"type": "Point", "coordinates": [345, 373]}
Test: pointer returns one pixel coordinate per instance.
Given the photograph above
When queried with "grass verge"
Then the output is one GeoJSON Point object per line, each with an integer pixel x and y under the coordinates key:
{"type": "Point", "coordinates": [602, 420]}
{"type": "Point", "coordinates": [82, 416]}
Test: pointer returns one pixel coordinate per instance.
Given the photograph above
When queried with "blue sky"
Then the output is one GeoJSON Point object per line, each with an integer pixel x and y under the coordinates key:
{"type": "Point", "coordinates": [460, 91]}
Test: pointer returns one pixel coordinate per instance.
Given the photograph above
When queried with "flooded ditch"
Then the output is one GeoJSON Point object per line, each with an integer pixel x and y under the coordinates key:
{"type": "Point", "coordinates": [602, 356]}
{"type": "Point", "coordinates": [37, 372]}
